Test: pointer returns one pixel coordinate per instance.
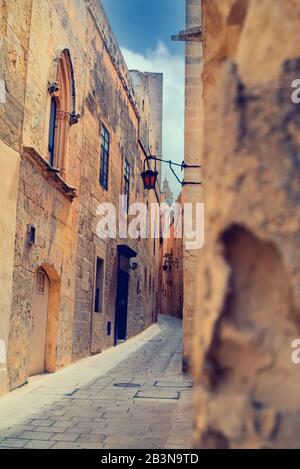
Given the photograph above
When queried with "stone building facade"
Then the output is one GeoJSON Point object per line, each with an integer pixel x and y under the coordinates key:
{"type": "Point", "coordinates": [171, 261]}
{"type": "Point", "coordinates": [14, 30]}
{"type": "Point", "coordinates": [70, 140]}
{"type": "Point", "coordinates": [247, 302]}
{"type": "Point", "coordinates": [193, 139]}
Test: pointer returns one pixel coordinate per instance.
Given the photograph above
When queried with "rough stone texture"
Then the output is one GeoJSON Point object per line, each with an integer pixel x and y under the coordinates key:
{"type": "Point", "coordinates": [15, 20]}
{"type": "Point", "coordinates": [9, 165]}
{"type": "Point", "coordinates": [248, 298]}
{"type": "Point", "coordinates": [193, 139]}
{"type": "Point", "coordinates": [14, 39]}
{"type": "Point", "coordinates": [107, 101]}
{"type": "Point", "coordinates": [40, 203]}
{"type": "Point", "coordinates": [66, 242]}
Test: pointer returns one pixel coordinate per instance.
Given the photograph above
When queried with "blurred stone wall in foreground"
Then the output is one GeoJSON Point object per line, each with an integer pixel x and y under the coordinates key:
{"type": "Point", "coordinates": [247, 306]}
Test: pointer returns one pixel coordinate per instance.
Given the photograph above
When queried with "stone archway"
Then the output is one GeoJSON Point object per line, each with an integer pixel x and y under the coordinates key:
{"type": "Point", "coordinates": [52, 319]}
{"type": "Point", "coordinates": [44, 324]}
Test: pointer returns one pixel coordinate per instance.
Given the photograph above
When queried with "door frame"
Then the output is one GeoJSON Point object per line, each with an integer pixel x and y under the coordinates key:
{"type": "Point", "coordinates": [53, 317]}
{"type": "Point", "coordinates": [39, 313]}
{"type": "Point", "coordinates": [124, 253]}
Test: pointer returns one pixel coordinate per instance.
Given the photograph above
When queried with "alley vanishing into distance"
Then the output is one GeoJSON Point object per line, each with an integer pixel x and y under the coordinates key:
{"type": "Point", "coordinates": [131, 396]}
{"type": "Point", "coordinates": [150, 225]}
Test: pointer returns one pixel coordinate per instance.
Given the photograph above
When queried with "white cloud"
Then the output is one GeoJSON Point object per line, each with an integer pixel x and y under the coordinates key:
{"type": "Point", "coordinates": [172, 66]}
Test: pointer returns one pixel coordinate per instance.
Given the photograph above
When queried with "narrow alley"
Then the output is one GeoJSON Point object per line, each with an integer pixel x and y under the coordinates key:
{"type": "Point", "coordinates": [131, 396]}
{"type": "Point", "coordinates": [149, 229]}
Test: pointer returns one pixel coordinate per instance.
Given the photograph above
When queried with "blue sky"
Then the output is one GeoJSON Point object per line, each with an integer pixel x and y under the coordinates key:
{"type": "Point", "coordinates": [140, 24]}
{"type": "Point", "coordinates": [143, 29]}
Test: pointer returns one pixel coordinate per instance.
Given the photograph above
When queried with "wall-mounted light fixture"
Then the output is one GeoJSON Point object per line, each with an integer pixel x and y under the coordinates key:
{"type": "Point", "coordinates": [149, 175]}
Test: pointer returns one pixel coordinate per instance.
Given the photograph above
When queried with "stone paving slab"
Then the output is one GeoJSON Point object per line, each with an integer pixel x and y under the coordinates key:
{"type": "Point", "coordinates": [182, 384]}
{"type": "Point", "coordinates": [93, 413]}
{"type": "Point", "coordinates": [157, 394]}
{"type": "Point", "coordinates": [32, 444]}
{"type": "Point", "coordinates": [12, 409]}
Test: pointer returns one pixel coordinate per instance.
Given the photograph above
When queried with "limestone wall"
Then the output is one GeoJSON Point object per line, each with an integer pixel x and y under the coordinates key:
{"type": "Point", "coordinates": [248, 297]}
{"type": "Point", "coordinates": [193, 141]}
{"type": "Point", "coordinates": [9, 165]}
{"type": "Point", "coordinates": [40, 203]}
{"type": "Point", "coordinates": [66, 244]}
{"type": "Point", "coordinates": [107, 101]}
{"type": "Point", "coordinates": [14, 38]}
{"type": "Point", "coordinates": [15, 19]}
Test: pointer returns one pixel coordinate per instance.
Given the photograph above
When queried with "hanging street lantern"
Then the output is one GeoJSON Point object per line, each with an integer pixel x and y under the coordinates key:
{"type": "Point", "coordinates": [149, 179]}
{"type": "Point", "coordinates": [149, 175]}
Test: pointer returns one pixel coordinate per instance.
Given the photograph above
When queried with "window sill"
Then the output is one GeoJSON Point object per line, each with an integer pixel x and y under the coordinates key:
{"type": "Point", "coordinates": [49, 173]}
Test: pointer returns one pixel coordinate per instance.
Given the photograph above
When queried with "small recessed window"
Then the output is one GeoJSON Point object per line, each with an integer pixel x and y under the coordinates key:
{"type": "Point", "coordinates": [127, 181]}
{"type": "Point", "coordinates": [40, 282]}
{"type": "Point", "coordinates": [104, 157]}
{"type": "Point", "coordinates": [99, 286]}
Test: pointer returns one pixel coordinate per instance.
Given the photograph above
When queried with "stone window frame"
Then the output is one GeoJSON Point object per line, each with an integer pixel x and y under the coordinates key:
{"type": "Point", "coordinates": [104, 156]}
{"type": "Point", "coordinates": [61, 87]}
{"type": "Point", "coordinates": [40, 281]}
{"type": "Point", "coordinates": [99, 254]}
{"type": "Point", "coordinates": [126, 176]}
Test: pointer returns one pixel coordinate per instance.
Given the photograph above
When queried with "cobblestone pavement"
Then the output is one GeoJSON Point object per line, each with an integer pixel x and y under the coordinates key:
{"type": "Point", "coordinates": [142, 402]}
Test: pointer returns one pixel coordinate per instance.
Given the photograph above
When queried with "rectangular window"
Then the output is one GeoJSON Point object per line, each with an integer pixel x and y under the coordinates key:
{"type": "Point", "coordinates": [127, 181]}
{"type": "Point", "coordinates": [40, 282]}
{"type": "Point", "coordinates": [99, 286]}
{"type": "Point", "coordinates": [104, 159]}
{"type": "Point", "coordinates": [52, 128]}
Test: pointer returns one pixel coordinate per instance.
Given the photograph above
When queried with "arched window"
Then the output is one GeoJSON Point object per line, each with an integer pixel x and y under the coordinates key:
{"type": "Point", "coordinates": [62, 111]}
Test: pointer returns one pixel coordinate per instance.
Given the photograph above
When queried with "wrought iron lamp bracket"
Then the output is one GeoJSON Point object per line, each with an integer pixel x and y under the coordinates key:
{"type": "Point", "coordinates": [171, 163]}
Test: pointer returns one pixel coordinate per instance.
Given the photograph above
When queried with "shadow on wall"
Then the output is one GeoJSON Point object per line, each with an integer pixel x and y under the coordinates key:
{"type": "Point", "coordinates": [249, 360]}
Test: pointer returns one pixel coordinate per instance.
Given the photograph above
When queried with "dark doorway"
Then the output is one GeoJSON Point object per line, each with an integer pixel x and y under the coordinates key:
{"type": "Point", "coordinates": [121, 306]}
{"type": "Point", "coordinates": [125, 253]}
